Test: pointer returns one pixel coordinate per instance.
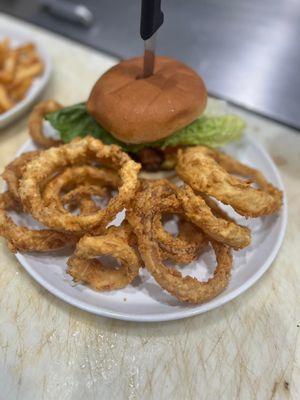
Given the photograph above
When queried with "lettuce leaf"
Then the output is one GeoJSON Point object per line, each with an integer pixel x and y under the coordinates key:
{"type": "Point", "coordinates": [208, 131]}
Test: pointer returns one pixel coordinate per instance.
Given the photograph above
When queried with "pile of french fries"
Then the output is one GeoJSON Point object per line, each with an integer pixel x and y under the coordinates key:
{"type": "Point", "coordinates": [19, 66]}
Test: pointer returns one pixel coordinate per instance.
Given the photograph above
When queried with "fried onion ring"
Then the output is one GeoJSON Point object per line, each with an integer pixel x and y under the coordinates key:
{"type": "Point", "coordinates": [217, 228]}
{"type": "Point", "coordinates": [183, 288]}
{"type": "Point", "coordinates": [183, 200]}
{"type": "Point", "coordinates": [84, 267]}
{"type": "Point", "coordinates": [36, 120]}
{"type": "Point", "coordinates": [23, 239]}
{"type": "Point", "coordinates": [215, 208]}
{"type": "Point", "coordinates": [182, 249]}
{"type": "Point", "coordinates": [234, 166]}
{"type": "Point", "coordinates": [87, 206]}
{"type": "Point", "coordinates": [13, 172]}
{"type": "Point", "coordinates": [90, 179]}
{"type": "Point", "coordinates": [81, 197]}
{"type": "Point", "coordinates": [199, 170]}
{"type": "Point", "coordinates": [77, 151]}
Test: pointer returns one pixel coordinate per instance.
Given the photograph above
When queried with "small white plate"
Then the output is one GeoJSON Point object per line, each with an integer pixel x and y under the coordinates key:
{"type": "Point", "coordinates": [18, 37]}
{"type": "Point", "coordinates": [145, 300]}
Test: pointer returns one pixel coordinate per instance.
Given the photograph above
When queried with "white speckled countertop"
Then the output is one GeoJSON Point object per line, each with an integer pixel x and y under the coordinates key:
{"type": "Point", "coordinates": [247, 349]}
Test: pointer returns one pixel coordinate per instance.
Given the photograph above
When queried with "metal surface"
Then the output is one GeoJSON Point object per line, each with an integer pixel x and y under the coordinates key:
{"type": "Point", "coordinates": [149, 56]}
{"type": "Point", "coordinates": [77, 13]}
{"type": "Point", "coordinates": [247, 52]}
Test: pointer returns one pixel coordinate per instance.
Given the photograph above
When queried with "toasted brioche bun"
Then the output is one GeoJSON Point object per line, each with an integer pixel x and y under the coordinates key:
{"type": "Point", "coordinates": [137, 110]}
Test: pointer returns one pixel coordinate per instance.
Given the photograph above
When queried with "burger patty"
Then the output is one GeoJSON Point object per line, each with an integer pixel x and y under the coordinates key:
{"type": "Point", "coordinates": [156, 159]}
{"type": "Point", "coordinates": [151, 159]}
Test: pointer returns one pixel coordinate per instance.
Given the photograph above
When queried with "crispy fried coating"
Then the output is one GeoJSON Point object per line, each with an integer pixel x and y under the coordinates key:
{"type": "Point", "coordinates": [23, 239]}
{"type": "Point", "coordinates": [52, 160]}
{"type": "Point", "coordinates": [199, 170]}
{"type": "Point", "coordinates": [184, 248]}
{"type": "Point", "coordinates": [81, 198]}
{"type": "Point", "coordinates": [215, 208]}
{"type": "Point", "coordinates": [13, 172]}
{"type": "Point", "coordinates": [186, 289]}
{"type": "Point", "coordinates": [76, 185]}
{"type": "Point", "coordinates": [83, 265]}
{"type": "Point", "coordinates": [36, 123]}
{"type": "Point", "coordinates": [65, 188]}
{"type": "Point", "coordinates": [182, 200]}
{"type": "Point", "coordinates": [217, 228]}
{"type": "Point", "coordinates": [233, 166]}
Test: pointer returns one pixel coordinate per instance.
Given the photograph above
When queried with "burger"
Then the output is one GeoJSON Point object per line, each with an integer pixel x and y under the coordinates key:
{"type": "Point", "coordinates": [148, 117]}
{"type": "Point", "coordinates": [137, 110]}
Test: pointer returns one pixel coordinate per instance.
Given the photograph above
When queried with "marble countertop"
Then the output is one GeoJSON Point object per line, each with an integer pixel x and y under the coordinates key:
{"type": "Point", "coordinates": [247, 349]}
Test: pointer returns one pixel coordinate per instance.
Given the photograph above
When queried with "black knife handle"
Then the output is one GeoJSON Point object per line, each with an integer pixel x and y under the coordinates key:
{"type": "Point", "coordinates": [151, 18]}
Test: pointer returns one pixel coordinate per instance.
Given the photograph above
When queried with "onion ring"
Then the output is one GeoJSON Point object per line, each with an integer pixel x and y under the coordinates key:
{"type": "Point", "coordinates": [182, 249]}
{"type": "Point", "coordinates": [80, 197]}
{"type": "Point", "coordinates": [183, 200]}
{"type": "Point", "coordinates": [233, 166]}
{"type": "Point", "coordinates": [23, 239]}
{"type": "Point", "coordinates": [8, 202]}
{"type": "Point", "coordinates": [199, 170]}
{"type": "Point", "coordinates": [13, 172]}
{"type": "Point", "coordinates": [217, 228]}
{"type": "Point", "coordinates": [87, 206]}
{"type": "Point", "coordinates": [183, 288]}
{"type": "Point", "coordinates": [83, 191]}
{"type": "Point", "coordinates": [215, 208]}
{"type": "Point", "coordinates": [36, 120]}
{"type": "Point", "coordinates": [69, 179]}
{"type": "Point", "coordinates": [84, 267]}
{"type": "Point", "coordinates": [78, 150]}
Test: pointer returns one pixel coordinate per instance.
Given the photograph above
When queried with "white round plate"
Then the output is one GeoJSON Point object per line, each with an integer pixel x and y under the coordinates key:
{"type": "Point", "coordinates": [18, 37]}
{"type": "Point", "coordinates": [145, 300]}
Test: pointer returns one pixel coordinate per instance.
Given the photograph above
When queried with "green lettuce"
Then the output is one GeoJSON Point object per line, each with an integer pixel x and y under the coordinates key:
{"type": "Point", "coordinates": [75, 120]}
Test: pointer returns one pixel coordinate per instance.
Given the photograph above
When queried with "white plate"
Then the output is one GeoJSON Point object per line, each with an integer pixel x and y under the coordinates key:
{"type": "Point", "coordinates": [18, 37]}
{"type": "Point", "coordinates": [145, 300]}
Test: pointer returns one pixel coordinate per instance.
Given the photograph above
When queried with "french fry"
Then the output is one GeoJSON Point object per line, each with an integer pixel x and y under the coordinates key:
{"type": "Point", "coordinates": [30, 72]}
{"type": "Point", "coordinates": [8, 71]}
{"type": "Point", "coordinates": [5, 101]}
{"type": "Point", "coordinates": [17, 91]}
{"type": "Point", "coordinates": [18, 68]}
{"type": "Point", "coordinates": [26, 48]}
{"type": "Point", "coordinates": [28, 59]}
{"type": "Point", "coordinates": [4, 48]}
{"type": "Point", "coordinates": [27, 54]}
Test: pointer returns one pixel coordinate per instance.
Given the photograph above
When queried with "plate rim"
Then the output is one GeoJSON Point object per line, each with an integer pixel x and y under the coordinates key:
{"type": "Point", "coordinates": [185, 313]}
{"type": "Point", "coordinates": [20, 108]}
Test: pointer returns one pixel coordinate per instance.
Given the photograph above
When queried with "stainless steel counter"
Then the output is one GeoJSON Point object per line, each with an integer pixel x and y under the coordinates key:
{"type": "Point", "coordinates": [247, 52]}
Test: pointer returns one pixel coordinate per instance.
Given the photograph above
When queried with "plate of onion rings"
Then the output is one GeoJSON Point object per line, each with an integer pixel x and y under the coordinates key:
{"type": "Point", "coordinates": [158, 292]}
{"type": "Point", "coordinates": [139, 203]}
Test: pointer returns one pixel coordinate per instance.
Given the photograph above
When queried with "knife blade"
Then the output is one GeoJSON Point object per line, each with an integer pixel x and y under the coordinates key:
{"type": "Point", "coordinates": [151, 19]}
{"type": "Point", "coordinates": [149, 56]}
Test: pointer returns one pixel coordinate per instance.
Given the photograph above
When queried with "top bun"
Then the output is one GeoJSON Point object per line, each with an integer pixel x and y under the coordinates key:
{"type": "Point", "coordinates": [138, 110]}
